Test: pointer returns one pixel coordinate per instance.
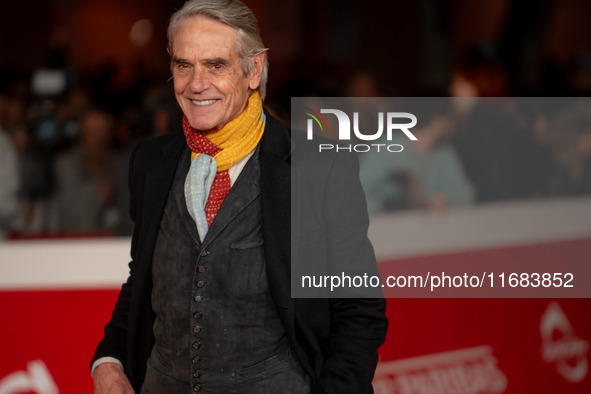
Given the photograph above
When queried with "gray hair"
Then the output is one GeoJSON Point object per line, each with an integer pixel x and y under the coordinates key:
{"type": "Point", "coordinates": [235, 14]}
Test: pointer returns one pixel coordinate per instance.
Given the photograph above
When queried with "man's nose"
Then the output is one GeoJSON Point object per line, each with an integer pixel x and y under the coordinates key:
{"type": "Point", "coordinates": [199, 81]}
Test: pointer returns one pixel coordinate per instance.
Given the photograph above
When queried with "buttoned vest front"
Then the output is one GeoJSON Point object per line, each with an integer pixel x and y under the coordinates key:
{"type": "Point", "coordinates": [214, 312]}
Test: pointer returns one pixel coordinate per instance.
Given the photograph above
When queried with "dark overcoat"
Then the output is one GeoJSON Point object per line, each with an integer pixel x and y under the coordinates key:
{"type": "Point", "coordinates": [336, 340]}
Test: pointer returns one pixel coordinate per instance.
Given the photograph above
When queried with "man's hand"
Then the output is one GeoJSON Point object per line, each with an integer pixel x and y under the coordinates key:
{"type": "Point", "coordinates": [110, 379]}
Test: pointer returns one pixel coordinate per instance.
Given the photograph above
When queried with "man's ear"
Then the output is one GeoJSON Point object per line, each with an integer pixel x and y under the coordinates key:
{"type": "Point", "coordinates": [257, 70]}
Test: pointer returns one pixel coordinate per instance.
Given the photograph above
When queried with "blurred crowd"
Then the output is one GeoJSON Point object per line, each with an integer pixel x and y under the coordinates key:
{"type": "Point", "coordinates": [65, 144]}
{"type": "Point", "coordinates": [64, 151]}
{"type": "Point", "coordinates": [477, 145]}
{"type": "Point", "coordinates": [483, 149]}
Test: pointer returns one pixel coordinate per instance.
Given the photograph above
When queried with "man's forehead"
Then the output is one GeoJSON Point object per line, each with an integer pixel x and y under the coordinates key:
{"type": "Point", "coordinates": [204, 35]}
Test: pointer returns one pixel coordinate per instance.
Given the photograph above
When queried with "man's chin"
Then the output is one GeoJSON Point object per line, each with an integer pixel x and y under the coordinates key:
{"type": "Point", "coordinates": [203, 126]}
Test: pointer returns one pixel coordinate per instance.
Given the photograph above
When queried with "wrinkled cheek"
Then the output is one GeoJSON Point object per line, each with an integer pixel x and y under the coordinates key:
{"type": "Point", "coordinates": [179, 89]}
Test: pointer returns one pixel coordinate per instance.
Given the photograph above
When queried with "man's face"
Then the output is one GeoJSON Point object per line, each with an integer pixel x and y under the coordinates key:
{"type": "Point", "coordinates": [208, 81]}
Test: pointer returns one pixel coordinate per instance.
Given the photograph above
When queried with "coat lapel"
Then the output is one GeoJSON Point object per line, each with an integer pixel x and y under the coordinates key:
{"type": "Point", "coordinates": [244, 191]}
{"type": "Point", "coordinates": [276, 200]}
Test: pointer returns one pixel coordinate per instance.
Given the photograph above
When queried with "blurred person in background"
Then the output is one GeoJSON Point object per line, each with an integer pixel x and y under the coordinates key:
{"type": "Point", "coordinates": [85, 178]}
{"type": "Point", "coordinates": [33, 171]}
{"type": "Point", "coordinates": [52, 127]}
{"type": "Point", "coordinates": [426, 174]}
{"type": "Point", "coordinates": [497, 148]}
{"type": "Point", "coordinates": [568, 135]}
{"type": "Point", "coordinates": [499, 151]}
{"type": "Point", "coordinates": [9, 178]}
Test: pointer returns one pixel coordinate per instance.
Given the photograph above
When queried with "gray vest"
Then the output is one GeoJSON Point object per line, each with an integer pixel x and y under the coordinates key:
{"type": "Point", "coordinates": [215, 318]}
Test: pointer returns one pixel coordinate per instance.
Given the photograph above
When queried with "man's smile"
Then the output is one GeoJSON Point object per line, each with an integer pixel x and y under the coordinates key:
{"type": "Point", "coordinates": [203, 102]}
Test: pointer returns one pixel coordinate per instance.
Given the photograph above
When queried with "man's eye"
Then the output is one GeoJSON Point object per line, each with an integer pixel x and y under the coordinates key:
{"type": "Point", "coordinates": [217, 66]}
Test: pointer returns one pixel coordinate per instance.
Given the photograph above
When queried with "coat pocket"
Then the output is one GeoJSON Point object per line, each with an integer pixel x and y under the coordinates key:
{"type": "Point", "coordinates": [247, 244]}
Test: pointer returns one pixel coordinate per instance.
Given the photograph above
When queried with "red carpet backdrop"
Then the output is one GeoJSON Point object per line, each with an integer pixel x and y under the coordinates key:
{"type": "Point", "coordinates": [57, 295]}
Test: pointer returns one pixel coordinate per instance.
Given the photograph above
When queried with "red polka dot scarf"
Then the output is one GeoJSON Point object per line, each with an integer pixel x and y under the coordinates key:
{"type": "Point", "coordinates": [208, 181]}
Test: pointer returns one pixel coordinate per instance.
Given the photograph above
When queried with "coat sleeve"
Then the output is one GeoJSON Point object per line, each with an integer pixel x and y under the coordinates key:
{"type": "Point", "coordinates": [114, 342]}
{"type": "Point", "coordinates": [358, 325]}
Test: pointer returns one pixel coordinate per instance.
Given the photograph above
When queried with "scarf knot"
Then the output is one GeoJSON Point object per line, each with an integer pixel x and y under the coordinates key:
{"type": "Point", "coordinates": [208, 181]}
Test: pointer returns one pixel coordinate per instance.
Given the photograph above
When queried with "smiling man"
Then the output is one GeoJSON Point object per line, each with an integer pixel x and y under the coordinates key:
{"type": "Point", "coordinates": [209, 83]}
{"type": "Point", "coordinates": [207, 306]}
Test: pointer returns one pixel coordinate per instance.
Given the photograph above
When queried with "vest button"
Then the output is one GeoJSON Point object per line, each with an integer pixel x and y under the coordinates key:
{"type": "Point", "coordinates": [201, 268]}
{"type": "Point", "coordinates": [197, 373]}
{"type": "Point", "coordinates": [200, 283]}
{"type": "Point", "coordinates": [196, 345]}
{"type": "Point", "coordinates": [197, 387]}
{"type": "Point", "coordinates": [198, 298]}
{"type": "Point", "coordinates": [204, 253]}
{"type": "Point", "coordinates": [198, 315]}
{"type": "Point", "coordinates": [197, 329]}
{"type": "Point", "coordinates": [195, 360]}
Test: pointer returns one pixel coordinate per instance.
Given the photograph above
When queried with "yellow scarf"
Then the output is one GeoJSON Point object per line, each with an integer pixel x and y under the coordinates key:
{"type": "Point", "coordinates": [241, 135]}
